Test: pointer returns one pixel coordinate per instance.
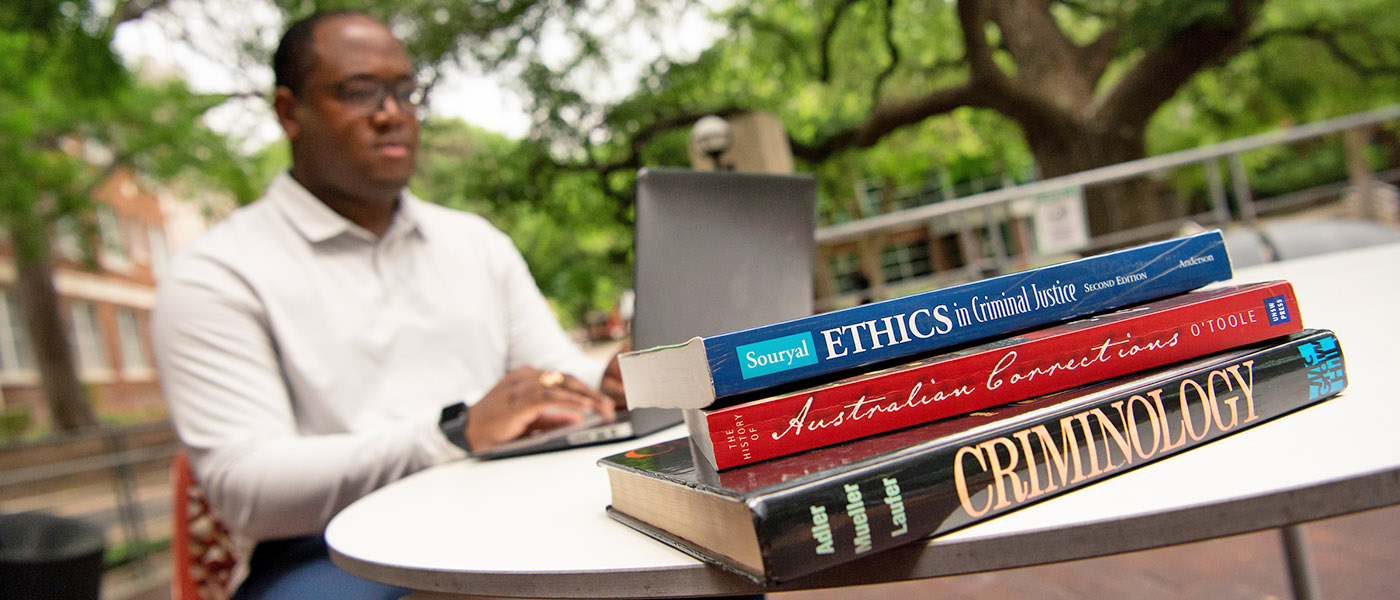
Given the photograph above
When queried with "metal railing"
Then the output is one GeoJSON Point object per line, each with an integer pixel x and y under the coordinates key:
{"type": "Point", "coordinates": [989, 210]}
{"type": "Point", "coordinates": [119, 460]}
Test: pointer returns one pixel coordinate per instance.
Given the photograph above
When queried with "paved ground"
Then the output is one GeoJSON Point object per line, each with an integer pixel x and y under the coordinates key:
{"type": "Point", "coordinates": [1354, 556]}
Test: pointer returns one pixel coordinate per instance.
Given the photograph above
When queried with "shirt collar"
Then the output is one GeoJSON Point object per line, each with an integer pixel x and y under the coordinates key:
{"type": "Point", "coordinates": [317, 222]}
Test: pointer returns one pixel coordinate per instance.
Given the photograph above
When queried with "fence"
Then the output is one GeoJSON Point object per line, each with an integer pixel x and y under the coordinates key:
{"type": "Point", "coordinates": [989, 211]}
{"type": "Point", "coordinates": [69, 475]}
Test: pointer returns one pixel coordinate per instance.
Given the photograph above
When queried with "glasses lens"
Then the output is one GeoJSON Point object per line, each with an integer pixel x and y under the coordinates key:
{"type": "Point", "coordinates": [412, 99]}
{"type": "Point", "coordinates": [361, 94]}
{"type": "Point", "coordinates": [408, 96]}
{"type": "Point", "coordinates": [367, 95]}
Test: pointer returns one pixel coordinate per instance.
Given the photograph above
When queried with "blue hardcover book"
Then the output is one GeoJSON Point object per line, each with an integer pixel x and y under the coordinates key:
{"type": "Point", "coordinates": [703, 371]}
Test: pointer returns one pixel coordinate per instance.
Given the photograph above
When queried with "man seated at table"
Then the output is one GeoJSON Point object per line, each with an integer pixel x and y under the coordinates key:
{"type": "Point", "coordinates": [339, 333]}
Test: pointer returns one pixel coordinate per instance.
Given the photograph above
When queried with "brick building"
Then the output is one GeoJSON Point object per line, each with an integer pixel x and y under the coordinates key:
{"type": "Point", "coordinates": [106, 303]}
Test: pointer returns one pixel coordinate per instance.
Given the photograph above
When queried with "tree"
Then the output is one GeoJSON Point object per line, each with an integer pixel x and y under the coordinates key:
{"type": "Point", "coordinates": [1081, 80]}
{"type": "Point", "coordinates": [890, 89]}
{"type": "Point", "coordinates": [575, 241]}
{"type": "Point", "coordinates": [71, 115]}
{"type": "Point", "coordinates": [1302, 66]}
{"type": "Point", "coordinates": [899, 87]}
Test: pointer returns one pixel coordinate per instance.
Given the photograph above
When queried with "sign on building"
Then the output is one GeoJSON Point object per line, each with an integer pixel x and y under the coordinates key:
{"type": "Point", "coordinates": [1060, 224]}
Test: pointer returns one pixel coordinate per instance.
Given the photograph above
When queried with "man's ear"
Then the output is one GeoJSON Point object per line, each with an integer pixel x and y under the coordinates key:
{"type": "Point", "coordinates": [285, 103]}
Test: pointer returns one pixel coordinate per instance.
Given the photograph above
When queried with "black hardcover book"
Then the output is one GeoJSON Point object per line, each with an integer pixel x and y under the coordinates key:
{"type": "Point", "coordinates": [781, 519]}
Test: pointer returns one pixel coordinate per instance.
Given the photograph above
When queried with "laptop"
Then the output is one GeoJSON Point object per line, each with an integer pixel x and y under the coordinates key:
{"type": "Point", "coordinates": [714, 252]}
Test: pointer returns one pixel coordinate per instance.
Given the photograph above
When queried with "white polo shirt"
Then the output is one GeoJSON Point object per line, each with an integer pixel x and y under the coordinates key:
{"type": "Point", "coordinates": [305, 361]}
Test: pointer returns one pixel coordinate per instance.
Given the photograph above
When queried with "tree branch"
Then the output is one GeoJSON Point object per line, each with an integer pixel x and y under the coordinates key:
{"type": "Point", "coordinates": [1163, 70]}
{"type": "Point", "coordinates": [1331, 39]}
{"type": "Point", "coordinates": [1096, 56]}
{"type": "Point", "coordinates": [824, 42]}
{"type": "Point", "coordinates": [888, 117]}
{"type": "Point", "coordinates": [794, 47]}
{"type": "Point", "coordinates": [973, 16]}
{"type": "Point", "coordinates": [644, 136]}
{"type": "Point", "coordinates": [243, 95]}
{"type": "Point", "coordinates": [892, 48]}
{"type": "Point", "coordinates": [881, 121]}
{"type": "Point", "coordinates": [1033, 37]}
{"type": "Point", "coordinates": [131, 10]}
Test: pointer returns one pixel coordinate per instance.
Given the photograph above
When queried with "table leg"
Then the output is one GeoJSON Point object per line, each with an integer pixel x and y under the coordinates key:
{"type": "Point", "coordinates": [1300, 572]}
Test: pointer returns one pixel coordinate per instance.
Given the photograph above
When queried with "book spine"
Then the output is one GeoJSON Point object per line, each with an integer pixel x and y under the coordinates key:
{"type": "Point", "coordinates": [810, 348]}
{"type": "Point", "coordinates": [1057, 359]}
{"type": "Point", "coordinates": [937, 489]}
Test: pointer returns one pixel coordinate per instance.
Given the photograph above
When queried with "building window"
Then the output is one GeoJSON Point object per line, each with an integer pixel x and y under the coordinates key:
{"type": "Point", "coordinates": [138, 242]}
{"type": "Point", "coordinates": [135, 363]}
{"type": "Point", "coordinates": [68, 244]}
{"type": "Point", "coordinates": [16, 354]}
{"type": "Point", "coordinates": [905, 261]}
{"type": "Point", "coordinates": [88, 339]}
{"type": "Point", "coordinates": [160, 252]}
{"type": "Point", "coordinates": [114, 255]}
{"type": "Point", "coordinates": [844, 266]}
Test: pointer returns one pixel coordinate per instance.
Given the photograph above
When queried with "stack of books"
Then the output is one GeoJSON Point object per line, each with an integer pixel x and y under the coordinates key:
{"type": "Point", "coordinates": [816, 441]}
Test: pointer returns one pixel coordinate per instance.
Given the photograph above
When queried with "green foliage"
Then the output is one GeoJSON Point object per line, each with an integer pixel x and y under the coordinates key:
{"type": "Point", "coordinates": [582, 266]}
{"type": "Point", "coordinates": [128, 553]}
{"type": "Point", "coordinates": [1310, 61]}
{"type": "Point", "coordinates": [14, 422]}
{"type": "Point", "coordinates": [49, 66]}
{"type": "Point", "coordinates": [1281, 169]}
{"type": "Point", "coordinates": [1154, 21]}
{"type": "Point", "coordinates": [773, 60]}
{"type": "Point", "coordinates": [822, 67]}
{"type": "Point", "coordinates": [71, 114]}
{"type": "Point", "coordinates": [569, 231]}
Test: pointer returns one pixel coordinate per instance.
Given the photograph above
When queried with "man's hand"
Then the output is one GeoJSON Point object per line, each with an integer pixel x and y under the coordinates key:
{"type": "Point", "coordinates": [529, 399]}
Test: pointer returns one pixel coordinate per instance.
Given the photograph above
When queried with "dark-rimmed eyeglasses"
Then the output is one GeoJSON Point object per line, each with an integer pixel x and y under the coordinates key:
{"type": "Point", "coordinates": [365, 96]}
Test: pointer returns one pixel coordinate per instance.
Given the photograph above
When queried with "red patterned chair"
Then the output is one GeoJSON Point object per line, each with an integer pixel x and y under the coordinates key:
{"type": "Point", "coordinates": [200, 547]}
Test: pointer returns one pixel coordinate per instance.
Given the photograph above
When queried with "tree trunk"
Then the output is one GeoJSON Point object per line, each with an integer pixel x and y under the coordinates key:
{"type": "Point", "coordinates": [1360, 201]}
{"type": "Point", "coordinates": [67, 399]}
{"type": "Point", "coordinates": [1063, 146]}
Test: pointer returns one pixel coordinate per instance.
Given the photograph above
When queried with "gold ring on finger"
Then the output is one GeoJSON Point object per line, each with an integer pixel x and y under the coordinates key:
{"type": "Point", "coordinates": [550, 379]}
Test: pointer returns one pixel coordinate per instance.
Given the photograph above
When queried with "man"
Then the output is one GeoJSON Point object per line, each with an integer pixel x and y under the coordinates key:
{"type": "Point", "coordinates": [339, 333]}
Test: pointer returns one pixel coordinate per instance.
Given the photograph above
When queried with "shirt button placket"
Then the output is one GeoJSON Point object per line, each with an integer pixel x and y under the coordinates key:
{"type": "Point", "coordinates": [382, 278]}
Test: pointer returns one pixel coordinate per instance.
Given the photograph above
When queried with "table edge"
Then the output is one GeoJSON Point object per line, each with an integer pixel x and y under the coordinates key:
{"type": "Point", "coordinates": [935, 557]}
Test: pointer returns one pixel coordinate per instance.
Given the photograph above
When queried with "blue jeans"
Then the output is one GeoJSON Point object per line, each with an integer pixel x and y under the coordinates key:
{"type": "Point", "coordinates": [302, 568]}
{"type": "Point", "coordinates": [297, 568]}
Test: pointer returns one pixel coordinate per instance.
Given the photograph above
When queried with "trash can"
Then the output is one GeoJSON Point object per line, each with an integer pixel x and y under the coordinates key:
{"type": "Point", "coordinates": [49, 557]}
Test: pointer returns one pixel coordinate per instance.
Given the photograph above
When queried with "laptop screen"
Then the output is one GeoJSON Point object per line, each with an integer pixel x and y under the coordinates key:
{"type": "Point", "coordinates": [719, 252]}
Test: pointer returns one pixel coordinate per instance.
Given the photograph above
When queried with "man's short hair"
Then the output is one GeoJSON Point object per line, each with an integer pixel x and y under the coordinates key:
{"type": "Point", "coordinates": [294, 57]}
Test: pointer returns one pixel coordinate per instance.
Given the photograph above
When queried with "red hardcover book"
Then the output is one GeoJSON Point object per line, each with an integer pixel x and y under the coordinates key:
{"type": "Point", "coordinates": [1022, 366]}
